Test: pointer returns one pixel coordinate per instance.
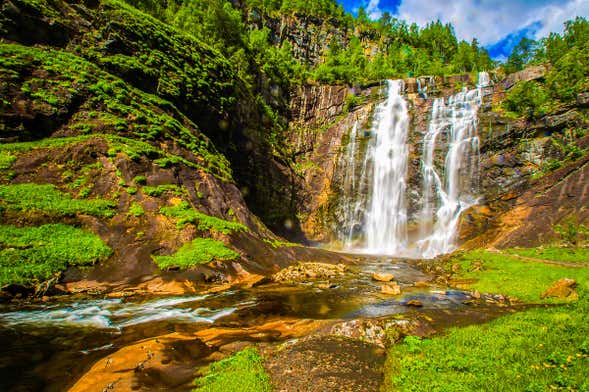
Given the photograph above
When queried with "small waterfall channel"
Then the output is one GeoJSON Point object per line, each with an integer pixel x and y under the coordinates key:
{"type": "Point", "coordinates": [374, 211]}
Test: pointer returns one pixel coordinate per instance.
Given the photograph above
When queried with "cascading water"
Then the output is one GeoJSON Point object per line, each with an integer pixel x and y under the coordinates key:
{"type": "Point", "coordinates": [446, 191]}
{"type": "Point", "coordinates": [452, 190]}
{"type": "Point", "coordinates": [350, 191]}
{"type": "Point", "coordinates": [388, 152]}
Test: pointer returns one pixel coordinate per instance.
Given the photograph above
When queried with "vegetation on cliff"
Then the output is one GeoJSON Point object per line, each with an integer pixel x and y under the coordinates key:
{"type": "Point", "coordinates": [567, 58]}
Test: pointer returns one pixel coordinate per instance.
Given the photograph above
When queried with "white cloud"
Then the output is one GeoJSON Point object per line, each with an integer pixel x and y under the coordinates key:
{"type": "Point", "coordinates": [372, 9]}
{"type": "Point", "coordinates": [491, 20]}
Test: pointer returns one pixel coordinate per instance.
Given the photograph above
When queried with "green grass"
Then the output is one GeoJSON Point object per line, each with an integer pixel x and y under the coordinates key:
{"type": "Point", "coordinates": [536, 350]}
{"type": "Point", "coordinates": [34, 254]}
{"type": "Point", "coordinates": [184, 214]}
{"type": "Point", "coordinates": [516, 278]}
{"type": "Point", "coordinates": [242, 372]}
{"type": "Point", "coordinates": [31, 198]}
{"type": "Point", "coordinates": [6, 160]}
{"type": "Point", "coordinates": [198, 251]}
{"type": "Point", "coordinates": [568, 254]}
{"type": "Point", "coordinates": [539, 349]}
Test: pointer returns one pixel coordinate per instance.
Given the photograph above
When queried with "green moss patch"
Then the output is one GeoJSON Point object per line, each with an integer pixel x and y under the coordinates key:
{"type": "Point", "coordinates": [157, 191]}
{"type": "Point", "coordinates": [136, 210]}
{"type": "Point", "coordinates": [6, 160]}
{"type": "Point", "coordinates": [31, 254]}
{"type": "Point", "coordinates": [184, 214]}
{"type": "Point", "coordinates": [199, 251]}
{"type": "Point", "coordinates": [242, 372]}
{"type": "Point", "coordinates": [48, 199]}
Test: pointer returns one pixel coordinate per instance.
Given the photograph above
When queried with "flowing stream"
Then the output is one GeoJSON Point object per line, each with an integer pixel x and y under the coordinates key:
{"type": "Point", "coordinates": [47, 345]}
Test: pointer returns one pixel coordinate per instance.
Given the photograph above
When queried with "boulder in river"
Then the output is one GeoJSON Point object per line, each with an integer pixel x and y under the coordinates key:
{"type": "Point", "coordinates": [382, 277]}
{"type": "Point", "coordinates": [391, 288]}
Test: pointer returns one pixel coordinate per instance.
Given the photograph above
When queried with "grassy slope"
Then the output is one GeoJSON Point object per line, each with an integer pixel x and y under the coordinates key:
{"type": "Point", "coordinates": [543, 348]}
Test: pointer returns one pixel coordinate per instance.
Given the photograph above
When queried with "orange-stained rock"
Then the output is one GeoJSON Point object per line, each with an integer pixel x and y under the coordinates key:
{"type": "Point", "coordinates": [128, 368]}
{"type": "Point", "coordinates": [391, 288]}
{"type": "Point", "coordinates": [382, 277]}
{"type": "Point", "coordinates": [563, 288]}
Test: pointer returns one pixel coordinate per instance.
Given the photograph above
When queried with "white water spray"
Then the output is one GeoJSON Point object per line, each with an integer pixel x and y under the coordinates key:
{"type": "Point", "coordinates": [386, 218]}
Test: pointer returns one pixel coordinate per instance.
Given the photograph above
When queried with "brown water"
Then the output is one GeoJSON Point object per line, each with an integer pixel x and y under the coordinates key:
{"type": "Point", "coordinates": [47, 346]}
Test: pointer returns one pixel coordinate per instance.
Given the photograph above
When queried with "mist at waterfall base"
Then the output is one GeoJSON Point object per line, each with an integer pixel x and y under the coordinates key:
{"type": "Point", "coordinates": [373, 209]}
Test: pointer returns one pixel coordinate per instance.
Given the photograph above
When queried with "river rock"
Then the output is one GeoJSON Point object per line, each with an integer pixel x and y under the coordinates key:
{"type": "Point", "coordinates": [391, 288]}
{"type": "Point", "coordinates": [421, 284]}
{"type": "Point", "coordinates": [384, 277]}
{"type": "Point", "coordinates": [414, 302]}
{"type": "Point", "coordinates": [309, 271]}
{"type": "Point", "coordinates": [563, 288]}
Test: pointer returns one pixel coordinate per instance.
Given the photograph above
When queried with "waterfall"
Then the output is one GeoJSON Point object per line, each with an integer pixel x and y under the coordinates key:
{"type": "Point", "coordinates": [453, 189]}
{"type": "Point", "coordinates": [388, 153]}
{"type": "Point", "coordinates": [374, 199]}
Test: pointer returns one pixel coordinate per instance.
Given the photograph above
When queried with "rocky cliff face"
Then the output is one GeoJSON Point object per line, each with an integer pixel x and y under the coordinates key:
{"type": "Point", "coordinates": [309, 36]}
{"type": "Point", "coordinates": [517, 162]}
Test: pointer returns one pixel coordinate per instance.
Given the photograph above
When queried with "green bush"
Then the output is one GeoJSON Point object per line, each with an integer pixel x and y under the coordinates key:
{"type": "Point", "coordinates": [529, 99]}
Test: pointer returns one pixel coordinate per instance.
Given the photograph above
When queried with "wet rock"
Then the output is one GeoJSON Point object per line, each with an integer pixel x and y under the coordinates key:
{"type": "Point", "coordinates": [326, 363]}
{"type": "Point", "coordinates": [303, 272]}
{"type": "Point", "coordinates": [391, 288]}
{"type": "Point", "coordinates": [583, 99]}
{"type": "Point", "coordinates": [421, 284]}
{"type": "Point", "coordinates": [327, 286]}
{"type": "Point", "coordinates": [382, 277]}
{"type": "Point", "coordinates": [414, 302]}
{"type": "Point", "coordinates": [382, 332]}
{"type": "Point", "coordinates": [563, 288]}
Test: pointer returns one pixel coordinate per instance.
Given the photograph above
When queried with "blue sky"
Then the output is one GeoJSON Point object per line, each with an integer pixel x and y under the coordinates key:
{"type": "Point", "coordinates": [497, 24]}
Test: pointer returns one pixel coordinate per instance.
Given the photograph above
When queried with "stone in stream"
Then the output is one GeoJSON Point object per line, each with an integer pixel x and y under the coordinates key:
{"type": "Point", "coordinates": [563, 288]}
{"type": "Point", "coordinates": [391, 288]}
{"type": "Point", "coordinates": [382, 277]}
{"type": "Point", "coordinates": [414, 302]}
